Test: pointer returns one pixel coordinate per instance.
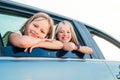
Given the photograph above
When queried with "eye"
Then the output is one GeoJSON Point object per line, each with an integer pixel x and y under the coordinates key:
{"type": "Point", "coordinates": [35, 25]}
{"type": "Point", "coordinates": [61, 31]}
{"type": "Point", "coordinates": [68, 31]}
{"type": "Point", "coordinates": [42, 31]}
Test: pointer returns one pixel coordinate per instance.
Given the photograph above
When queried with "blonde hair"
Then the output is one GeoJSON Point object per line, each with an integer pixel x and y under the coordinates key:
{"type": "Point", "coordinates": [73, 35]}
{"type": "Point", "coordinates": [39, 15]}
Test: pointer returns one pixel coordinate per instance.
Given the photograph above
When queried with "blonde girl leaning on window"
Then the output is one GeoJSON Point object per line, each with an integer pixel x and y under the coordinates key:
{"type": "Point", "coordinates": [36, 32]}
{"type": "Point", "coordinates": [65, 33]}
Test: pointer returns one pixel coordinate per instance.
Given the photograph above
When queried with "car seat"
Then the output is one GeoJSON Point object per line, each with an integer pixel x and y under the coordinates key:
{"type": "Point", "coordinates": [1, 46]}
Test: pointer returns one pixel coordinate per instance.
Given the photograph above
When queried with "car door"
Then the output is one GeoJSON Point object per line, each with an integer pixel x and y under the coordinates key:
{"type": "Point", "coordinates": [53, 69]}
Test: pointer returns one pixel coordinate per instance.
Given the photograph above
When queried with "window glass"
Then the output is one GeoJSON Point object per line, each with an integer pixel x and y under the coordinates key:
{"type": "Point", "coordinates": [109, 50]}
{"type": "Point", "coordinates": [10, 22]}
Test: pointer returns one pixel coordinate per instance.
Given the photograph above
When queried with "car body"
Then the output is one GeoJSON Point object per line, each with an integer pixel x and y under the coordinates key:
{"type": "Point", "coordinates": [35, 67]}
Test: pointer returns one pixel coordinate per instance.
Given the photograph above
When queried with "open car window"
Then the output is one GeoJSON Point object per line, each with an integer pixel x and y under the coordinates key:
{"type": "Point", "coordinates": [11, 22]}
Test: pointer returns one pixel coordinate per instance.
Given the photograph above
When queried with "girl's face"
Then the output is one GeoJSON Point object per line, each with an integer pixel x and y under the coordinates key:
{"type": "Point", "coordinates": [64, 33]}
{"type": "Point", "coordinates": [38, 28]}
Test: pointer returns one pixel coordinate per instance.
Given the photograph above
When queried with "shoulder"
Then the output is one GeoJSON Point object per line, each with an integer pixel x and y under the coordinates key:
{"type": "Point", "coordinates": [5, 37]}
{"type": "Point", "coordinates": [18, 32]}
{"type": "Point", "coordinates": [7, 34]}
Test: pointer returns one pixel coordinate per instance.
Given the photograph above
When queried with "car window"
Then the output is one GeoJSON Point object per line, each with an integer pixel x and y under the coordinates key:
{"type": "Point", "coordinates": [13, 22]}
{"type": "Point", "coordinates": [10, 22]}
{"type": "Point", "coordinates": [109, 50]}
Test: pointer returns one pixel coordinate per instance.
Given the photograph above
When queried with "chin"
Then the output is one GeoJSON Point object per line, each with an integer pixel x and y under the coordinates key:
{"type": "Point", "coordinates": [64, 41]}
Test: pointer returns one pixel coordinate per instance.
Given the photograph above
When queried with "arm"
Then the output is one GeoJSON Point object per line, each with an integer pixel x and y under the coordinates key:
{"type": "Point", "coordinates": [85, 49]}
{"type": "Point", "coordinates": [22, 41]}
{"type": "Point", "coordinates": [69, 46]}
{"type": "Point", "coordinates": [54, 44]}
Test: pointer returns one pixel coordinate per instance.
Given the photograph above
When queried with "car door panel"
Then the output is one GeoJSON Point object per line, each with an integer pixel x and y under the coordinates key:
{"type": "Point", "coordinates": [61, 69]}
{"type": "Point", "coordinates": [115, 68]}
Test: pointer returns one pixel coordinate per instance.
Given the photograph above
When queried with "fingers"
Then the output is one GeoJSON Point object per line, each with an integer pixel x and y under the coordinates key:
{"type": "Point", "coordinates": [30, 50]}
{"type": "Point", "coordinates": [25, 49]}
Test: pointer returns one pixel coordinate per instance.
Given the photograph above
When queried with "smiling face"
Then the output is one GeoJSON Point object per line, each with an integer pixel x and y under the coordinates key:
{"type": "Point", "coordinates": [38, 28]}
{"type": "Point", "coordinates": [64, 33]}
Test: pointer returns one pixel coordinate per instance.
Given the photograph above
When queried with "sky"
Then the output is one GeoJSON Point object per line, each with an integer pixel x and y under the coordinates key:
{"type": "Point", "coordinates": [102, 14]}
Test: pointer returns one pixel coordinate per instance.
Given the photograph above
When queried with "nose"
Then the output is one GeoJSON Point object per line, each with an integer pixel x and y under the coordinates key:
{"type": "Point", "coordinates": [37, 31]}
{"type": "Point", "coordinates": [65, 33]}
{"type": "Point", "coordinates": [38, 34]}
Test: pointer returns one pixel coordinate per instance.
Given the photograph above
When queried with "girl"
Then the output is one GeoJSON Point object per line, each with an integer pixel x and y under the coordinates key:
{"type": "Point", "coordinates": [65, 33]}
{"type": "Point", "coordinates": [36, 32]}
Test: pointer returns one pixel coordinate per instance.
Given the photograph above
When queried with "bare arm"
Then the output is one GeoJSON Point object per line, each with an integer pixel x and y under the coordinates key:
{"type": "Point", "coordinates": [22, 41]}
{"type": "Point", "coordinates": [85, 49]}
{"type": "Point", "coordinates": [69, 46]}
{"type": "Point", "coordinates": [54, 44]}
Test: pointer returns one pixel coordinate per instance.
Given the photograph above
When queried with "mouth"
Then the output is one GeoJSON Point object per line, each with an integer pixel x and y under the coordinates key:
{"type": "Point", "coordinates": [32, 33]}
{"type": "Point", "coordinates": [65, 38]}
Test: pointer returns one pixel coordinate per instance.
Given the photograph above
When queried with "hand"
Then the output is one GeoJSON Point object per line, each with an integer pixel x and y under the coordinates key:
{"type": "Point", "coordinates": [69, 46]}
{"type": "Point", "coordinates": [85, 49]}
{"type": "Point", "coordinates": [34, 46]}
{"type": "Point", "coordinates": [25, 49]}
{"type": "Point", "coordinates": [38, 44]}
{"type": "Point", "coordinates": [31, 48]}
{"type": "Point", "coordinates": [47, 40]}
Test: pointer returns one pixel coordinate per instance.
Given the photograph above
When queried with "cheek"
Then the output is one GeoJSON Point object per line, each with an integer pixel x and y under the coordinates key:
{"type": "Point", "coordinates": [43, 36]}
{"type": "Point", "coordinates": [28, 29]}
{"type": "Point", "coordinates": [59, 36]}
{"type": "Point", "coordinates": [70, 36]}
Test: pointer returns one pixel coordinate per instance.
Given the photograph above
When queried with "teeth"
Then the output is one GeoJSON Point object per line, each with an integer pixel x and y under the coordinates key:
{"type": "Point", "coordinates": [65, 38]}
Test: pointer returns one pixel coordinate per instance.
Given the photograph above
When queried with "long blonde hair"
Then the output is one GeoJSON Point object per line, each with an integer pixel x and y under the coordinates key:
{"type": "Point", "coordinates": [73, 35]}
{"type": "Point", "coordinates": [38, 15]}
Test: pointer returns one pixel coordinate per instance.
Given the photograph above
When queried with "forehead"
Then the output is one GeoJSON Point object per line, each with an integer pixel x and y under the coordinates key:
{"type": "Point", "coordinates": [64, 27]}
{"type": "Point", "coordinates": [42, 21]}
